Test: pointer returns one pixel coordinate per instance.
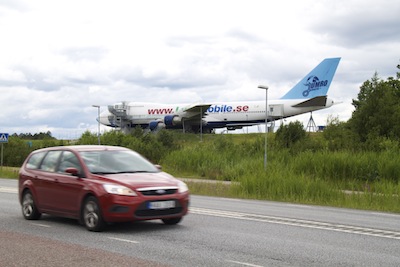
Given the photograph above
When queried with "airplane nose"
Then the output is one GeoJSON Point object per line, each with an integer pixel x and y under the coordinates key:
{"type": "Point", "coordinates": [104, 118]}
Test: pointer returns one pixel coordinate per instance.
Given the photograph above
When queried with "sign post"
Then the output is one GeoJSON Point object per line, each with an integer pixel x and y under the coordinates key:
{"type": "Point", "coordinates": [3, 139]}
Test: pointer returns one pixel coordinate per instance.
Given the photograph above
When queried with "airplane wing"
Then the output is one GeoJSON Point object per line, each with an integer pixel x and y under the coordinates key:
{"type": "Point", "coordinates": [198, 108]}
{"type": "Point", "coordinates": [195, 111]}
{"type": "Point", "coordinates": [318, 101]}
{"type": "Point", "coordinates": [241, 125]}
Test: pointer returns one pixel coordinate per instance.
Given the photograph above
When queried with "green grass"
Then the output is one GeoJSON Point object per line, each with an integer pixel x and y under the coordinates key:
{"type": "Point", "coordinates": [9, 172]}
{"type": "Point", "coordinates": [309, 177]}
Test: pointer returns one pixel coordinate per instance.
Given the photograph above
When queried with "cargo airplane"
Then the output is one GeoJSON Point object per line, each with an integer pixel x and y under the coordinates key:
{"type": "Point", "coordinates": [308, 95]}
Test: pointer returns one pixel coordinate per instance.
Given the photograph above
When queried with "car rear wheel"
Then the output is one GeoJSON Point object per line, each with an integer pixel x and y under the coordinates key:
{"type": "Point", "coordinates": [29, 209]}
{"type": "Point", "coordinates": [172, 221]}
{"type": "Point", "coordinates": [91, 215]}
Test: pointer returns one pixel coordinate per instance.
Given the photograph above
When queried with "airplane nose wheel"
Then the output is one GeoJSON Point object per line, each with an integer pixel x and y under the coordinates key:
{"type": "Point", "coordinates": [271, 126]}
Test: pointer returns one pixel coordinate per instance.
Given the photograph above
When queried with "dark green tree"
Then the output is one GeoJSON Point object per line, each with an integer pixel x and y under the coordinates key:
{"type": "Point", "coordinates": [339, 136]}
{"type": "Point", "coordinates": [377, 109]}
{"type": "Point", "coordinates": [88, 138]}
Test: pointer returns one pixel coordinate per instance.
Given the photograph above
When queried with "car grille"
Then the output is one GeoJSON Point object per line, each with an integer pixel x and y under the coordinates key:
{"type": "Point", "coordinates": [143, 210]}
{"type": "Point", "coordinates": [158, 191]}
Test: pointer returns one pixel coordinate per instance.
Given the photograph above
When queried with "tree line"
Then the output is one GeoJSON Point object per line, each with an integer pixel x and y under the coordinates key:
{"type": "Point", "coordinates": [36, 136]}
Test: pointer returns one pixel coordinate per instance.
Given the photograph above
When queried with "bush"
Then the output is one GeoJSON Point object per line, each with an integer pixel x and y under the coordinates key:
{"type": "Point", "coordinates": [288, 135]}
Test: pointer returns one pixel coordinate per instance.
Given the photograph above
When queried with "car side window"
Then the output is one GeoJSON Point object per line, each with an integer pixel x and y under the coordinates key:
{"type": "Point", "coordinates": [68, 160]}
{"type": "Point", "coordinates": [49, 163]}
{"type": "Point", "coordinates": [35, 160]}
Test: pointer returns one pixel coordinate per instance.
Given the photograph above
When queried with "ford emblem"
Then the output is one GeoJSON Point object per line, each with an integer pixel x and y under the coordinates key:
{"type": "Point", "coordinates": [161, 191]}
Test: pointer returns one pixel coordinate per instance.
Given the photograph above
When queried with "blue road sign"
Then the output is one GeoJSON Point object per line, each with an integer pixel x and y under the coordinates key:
{"type": "Point", "coordinates": [3, 137]}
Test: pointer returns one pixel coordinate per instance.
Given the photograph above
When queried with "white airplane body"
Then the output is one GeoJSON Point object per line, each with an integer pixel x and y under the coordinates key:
{"type": "Point", "coordinates": [308, 95]}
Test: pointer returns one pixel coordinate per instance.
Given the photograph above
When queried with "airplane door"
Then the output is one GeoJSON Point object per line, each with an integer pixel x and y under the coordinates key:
{"type": "Point", "coordinates": [275, 110]}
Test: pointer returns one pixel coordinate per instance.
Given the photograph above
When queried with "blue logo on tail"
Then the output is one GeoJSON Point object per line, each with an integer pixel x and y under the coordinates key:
{"type": "Point", "coordinates": [316, 82]}
{"type": "Point", "coordinates": [313, 83]}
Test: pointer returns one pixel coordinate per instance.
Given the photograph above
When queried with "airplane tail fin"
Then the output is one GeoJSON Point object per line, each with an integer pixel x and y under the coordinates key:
{"type": "Point", "coordinates": [316, 83]}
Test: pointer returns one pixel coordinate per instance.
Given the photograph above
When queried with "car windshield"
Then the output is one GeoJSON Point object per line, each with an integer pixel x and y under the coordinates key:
{"type": "Point", "coordinates": [116, 161]}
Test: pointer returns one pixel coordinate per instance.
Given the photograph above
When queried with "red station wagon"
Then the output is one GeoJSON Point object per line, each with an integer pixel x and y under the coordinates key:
{"type": "Point", "coordinates": [98, 185]}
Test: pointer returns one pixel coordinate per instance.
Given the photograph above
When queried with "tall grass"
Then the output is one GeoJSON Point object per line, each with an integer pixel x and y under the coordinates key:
{"type": "Point", "coordinates": [363, 180]}
{"type": "Point", "coordinates": [367, 167]}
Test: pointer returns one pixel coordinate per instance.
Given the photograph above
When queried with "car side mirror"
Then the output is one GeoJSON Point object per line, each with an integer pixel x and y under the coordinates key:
{"type": "Point", "coordinates": [158, 167]}
{"type": "Point", "coordinates": [72, 171]}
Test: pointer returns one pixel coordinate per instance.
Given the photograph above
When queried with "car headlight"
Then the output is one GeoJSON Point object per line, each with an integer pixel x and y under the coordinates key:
{"type": "Point", "coordinates": [119, 190]}
{"type": "Point", "coordinates": [182, 187]}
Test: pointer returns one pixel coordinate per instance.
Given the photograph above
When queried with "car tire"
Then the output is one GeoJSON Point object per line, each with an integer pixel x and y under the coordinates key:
{"type": "Point", "coordinates": [91, 215]}
{"type": "Point", "coordinates": [172, 221]}
{"type": "Point", "coordinates": [29, 210]}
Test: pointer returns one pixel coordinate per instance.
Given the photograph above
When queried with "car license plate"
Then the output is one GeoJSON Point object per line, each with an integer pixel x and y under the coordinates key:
{"type": "Point", "coordinates": [161, 205]}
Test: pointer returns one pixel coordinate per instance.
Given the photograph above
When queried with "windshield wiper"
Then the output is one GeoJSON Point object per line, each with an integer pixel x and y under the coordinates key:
{"type": "Point", "coordinates": [104, 173]}
{"type": "Point", "coordinates": [132, 172]}
{"type": "Point", "coordinates": [121, 172]}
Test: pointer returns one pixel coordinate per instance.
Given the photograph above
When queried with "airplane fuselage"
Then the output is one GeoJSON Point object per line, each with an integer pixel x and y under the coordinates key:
{"type": "Point", "coordinates": [233, 115]}
{"type": "Point", "coordinates": [309, 94]}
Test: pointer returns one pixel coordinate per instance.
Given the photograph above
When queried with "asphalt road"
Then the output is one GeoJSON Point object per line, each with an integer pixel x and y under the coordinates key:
{"type": "Point", "coordinates": [217, 232]}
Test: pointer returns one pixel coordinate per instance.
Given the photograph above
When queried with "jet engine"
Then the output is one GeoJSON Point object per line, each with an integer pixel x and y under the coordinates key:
{"type": "Point", "coordinates": [172, 120]}
{"type": "Point", "coordinates": [156, 125]}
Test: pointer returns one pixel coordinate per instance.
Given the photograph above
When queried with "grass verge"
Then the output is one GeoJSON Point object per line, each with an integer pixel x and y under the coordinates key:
{"type": "Point", "coordinates": [9, 172]}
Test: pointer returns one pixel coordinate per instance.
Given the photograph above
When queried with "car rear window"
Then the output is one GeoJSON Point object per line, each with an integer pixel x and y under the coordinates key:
{"type": "Point", "coordinates": [50, 161]}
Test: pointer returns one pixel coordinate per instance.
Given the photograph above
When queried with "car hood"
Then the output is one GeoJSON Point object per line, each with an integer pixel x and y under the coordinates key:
{"type": "Point", "coordinates": [140, 180]}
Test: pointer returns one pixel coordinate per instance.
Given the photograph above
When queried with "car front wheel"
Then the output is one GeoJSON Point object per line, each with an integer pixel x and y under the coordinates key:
{"type": "Point", "coordinates": [172, 221]}
{"type": "Point", "coordinates": [91, 215]}
{"type": "Point", "coordinates": [29, 209]}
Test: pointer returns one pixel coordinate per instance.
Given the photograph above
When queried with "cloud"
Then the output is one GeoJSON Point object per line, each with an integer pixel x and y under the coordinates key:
{"type": "Point", "coordinates": [358, 25]}
{"type": "Point", "coordinates": [61, 57]}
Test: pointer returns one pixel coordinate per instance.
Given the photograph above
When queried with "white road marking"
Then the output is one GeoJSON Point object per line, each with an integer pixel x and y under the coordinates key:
{"type": "Point", "coordinates": [299, 223]}
{"type": "Point", "coordinates": [8, 190]}
{"type": "Point", "coordinates": [41, 225]}
{"type": "Point", "coordinates": [123, 240]}
{"type": "Point", "coordinates": [244, 263]}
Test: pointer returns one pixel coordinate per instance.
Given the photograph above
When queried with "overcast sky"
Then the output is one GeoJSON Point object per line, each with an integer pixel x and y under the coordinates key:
{"type": "Point", "coordinates": [58, 58]}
